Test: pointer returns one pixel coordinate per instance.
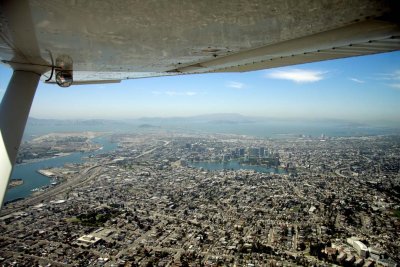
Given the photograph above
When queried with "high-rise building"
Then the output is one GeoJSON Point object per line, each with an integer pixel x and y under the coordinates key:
{"type": "Point", "coordinates": [262, 152]}
{"type": "Point", "coordinates": [254, 152]}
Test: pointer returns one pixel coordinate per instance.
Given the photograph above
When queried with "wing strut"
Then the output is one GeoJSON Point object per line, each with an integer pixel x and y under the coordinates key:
{"type": "Point", "coordinates": [14, 111]}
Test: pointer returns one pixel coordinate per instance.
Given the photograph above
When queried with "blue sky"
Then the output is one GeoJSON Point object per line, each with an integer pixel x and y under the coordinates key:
{"type": "Point", "coordinates": [359, 89]}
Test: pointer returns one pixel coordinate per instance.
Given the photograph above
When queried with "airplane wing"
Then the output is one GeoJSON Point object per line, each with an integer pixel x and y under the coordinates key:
{"type": "Point", "coordinates": [111, 41]}
{"type": "Point", "coordinates": [82, 42]}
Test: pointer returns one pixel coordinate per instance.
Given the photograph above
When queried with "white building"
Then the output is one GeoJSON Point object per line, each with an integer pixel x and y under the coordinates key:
{"type": "Point", "coordinates": [359, 246]}
{"type": "Point", "coordinates": [87, 240]}
{"type": "Point", "coordinates": [362, 249]}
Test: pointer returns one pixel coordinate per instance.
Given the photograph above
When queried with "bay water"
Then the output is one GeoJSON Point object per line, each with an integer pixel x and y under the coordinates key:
{"type": "Point", "coordinates": [32, 179]}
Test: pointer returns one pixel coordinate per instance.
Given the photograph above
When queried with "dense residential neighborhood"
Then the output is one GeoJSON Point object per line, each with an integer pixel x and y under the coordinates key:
{"type": "Point", "coordinates": [318, 201]}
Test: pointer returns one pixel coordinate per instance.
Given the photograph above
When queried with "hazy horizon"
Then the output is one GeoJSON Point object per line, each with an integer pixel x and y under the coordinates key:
{"type": "Point", "coordinates": [235, 117]}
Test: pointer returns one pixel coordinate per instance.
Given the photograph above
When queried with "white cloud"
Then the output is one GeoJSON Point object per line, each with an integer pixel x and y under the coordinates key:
{"type": "Point", "coordinates": [356, 80]}
{"type": "Point", "coordinates": [395, 85]}
{"type": "Point", "coordinates": [396, 75]}
{"type": "Point", "coordinates": [175, 93]}
{"type": "Point", "coordinates": [393, 77]}
{"type": "Point", "coordinates": [235, 85]}
{"type": "Point", "coordinates": [297, 75]}
{"type": "Point", "coordinates": [190, 93]}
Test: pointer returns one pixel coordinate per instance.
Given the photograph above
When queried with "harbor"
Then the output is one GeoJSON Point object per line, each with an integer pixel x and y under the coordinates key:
{"type": "Point", "coordinates": [34, 181]}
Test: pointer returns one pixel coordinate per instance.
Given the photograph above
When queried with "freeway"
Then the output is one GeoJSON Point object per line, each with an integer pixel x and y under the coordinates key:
{"type": "Point", "coordinates": [151, 150]}
{"type": "Point", "coordinates": [84, 176]}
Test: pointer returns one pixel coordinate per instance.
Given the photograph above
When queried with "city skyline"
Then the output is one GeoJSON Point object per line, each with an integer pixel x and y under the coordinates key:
{"type": "Point", "coordinates": [361, 89]}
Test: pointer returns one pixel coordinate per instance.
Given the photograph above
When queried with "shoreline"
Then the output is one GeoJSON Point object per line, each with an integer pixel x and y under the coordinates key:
{"type": "Point", "coordinates": [102, 146]}
{"type": "Point", "coordinates": [30, 161]}
{"type": "Point", "coordinates": [92, 135]}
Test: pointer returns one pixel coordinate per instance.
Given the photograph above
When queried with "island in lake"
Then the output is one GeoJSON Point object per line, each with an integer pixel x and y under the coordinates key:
{"type": "Point", "coordinates": [15, 182]}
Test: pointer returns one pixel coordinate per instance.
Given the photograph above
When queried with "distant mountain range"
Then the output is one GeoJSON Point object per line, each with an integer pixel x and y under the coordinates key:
{"type": "Point", "coordinates": [211, 123]}
{"type": "Point", "coordinates": [225, 118]}
{"type": "Point", "coordinates": [53, 122]}
{"type": "Point", "coordinates": [218, 118]}
{"type": "Point", "coordinates": [210, 118]}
